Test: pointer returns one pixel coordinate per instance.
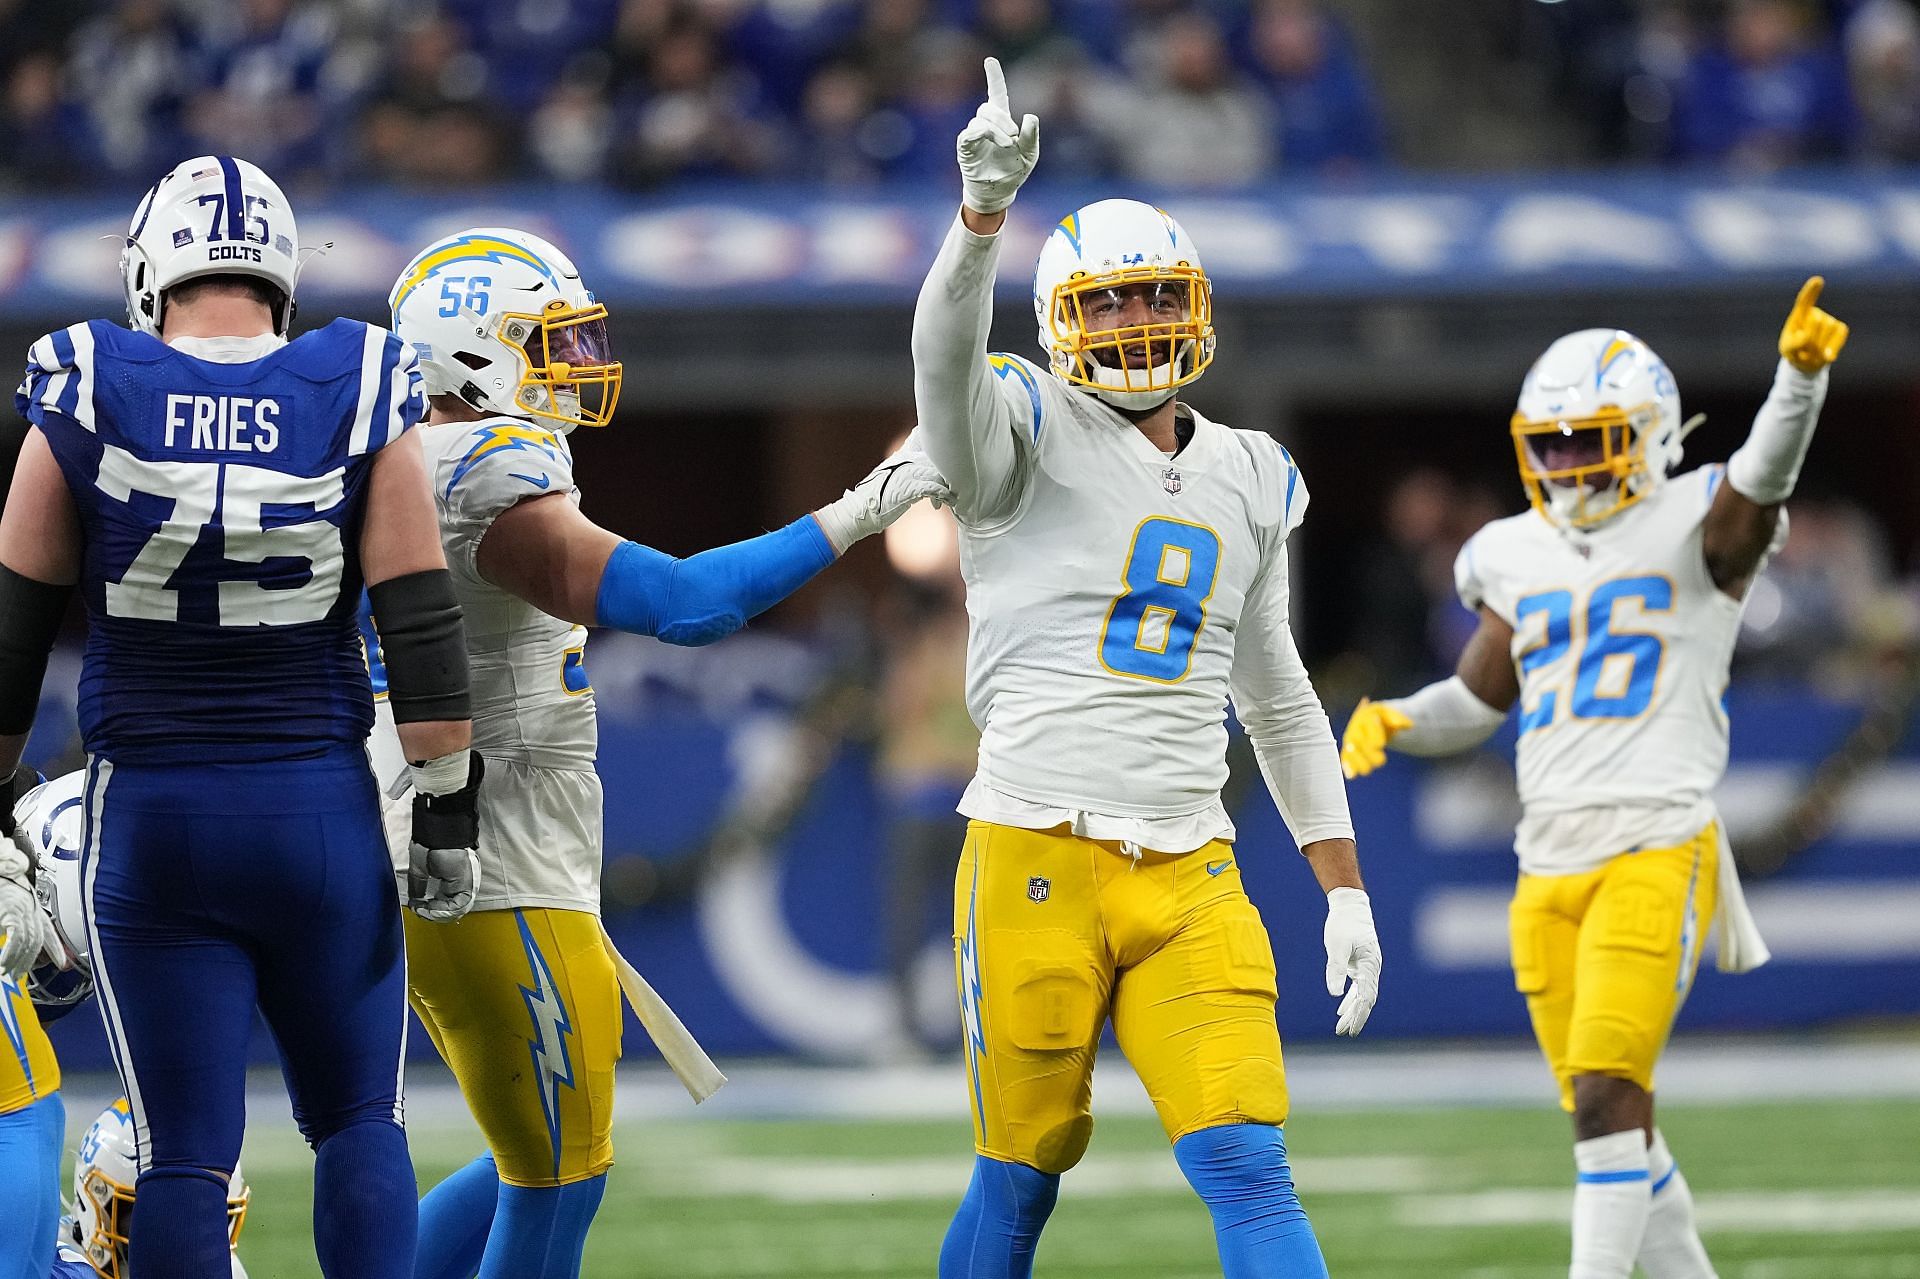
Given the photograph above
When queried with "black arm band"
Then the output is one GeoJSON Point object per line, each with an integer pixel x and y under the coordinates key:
{"type": "Point", "coordinates": [424, 646]}
{"type": "Point", "coordinates": [30, 617]}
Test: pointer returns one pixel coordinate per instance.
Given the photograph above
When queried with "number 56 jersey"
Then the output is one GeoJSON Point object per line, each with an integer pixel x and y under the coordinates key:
{"type": "Point", "coordinates": [220, 505]}
{"type": "Point", "coordinates": [1621, 641]}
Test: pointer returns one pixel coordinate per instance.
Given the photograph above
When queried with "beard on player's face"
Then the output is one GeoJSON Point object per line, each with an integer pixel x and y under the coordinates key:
{"type": "Point", "coordinates": [1147, 308]}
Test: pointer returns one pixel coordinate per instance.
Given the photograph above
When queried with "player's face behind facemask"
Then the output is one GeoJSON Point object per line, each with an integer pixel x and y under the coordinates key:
{"type": "Point", "coordinates": [1580, 472]}
{"type": "Point", "coordinates": [1147, 324]}
{"type": "Point", "coordinates": [571, 377]}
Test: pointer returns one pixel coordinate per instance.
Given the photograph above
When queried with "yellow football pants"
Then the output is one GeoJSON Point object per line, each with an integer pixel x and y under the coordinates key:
{"type": "Point", "coordinates": [1606, 958]}
{"type": "Point", "coordinates": [28, 1070]}
{"type": "Point", "coordinates": [1053, 934]}
{"type": "Point", "coordinates": [524, 1006]}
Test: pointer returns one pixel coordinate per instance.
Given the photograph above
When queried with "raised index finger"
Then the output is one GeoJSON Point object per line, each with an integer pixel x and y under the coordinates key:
{"type": "Point", "coordinates": [996, 85]}
{"type": "Point", "coordinates": [1809, 295]}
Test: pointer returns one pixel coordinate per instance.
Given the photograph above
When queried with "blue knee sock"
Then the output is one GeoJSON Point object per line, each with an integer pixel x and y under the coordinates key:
{"type": "Point", "coordinates": [365, 1214]}
{"type": "Point", "coordinates": [179, 1226]}
{"type": "Point", "coordinates": [994, 1233]}
{"type": "Point", "coordinates": [455, 1217]}
{"type": "Point", "coordinates": [540, 1231]}
{"type": "Point", "coordinates": [30, 1140]}
{"type": "Point", "coordinates": [1241, 1172]}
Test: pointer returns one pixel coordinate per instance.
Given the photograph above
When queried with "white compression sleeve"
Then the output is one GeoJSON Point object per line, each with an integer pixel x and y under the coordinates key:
{"type": "Point", "coordinates": [1767, 465]}
{"type": "Point", "coordinates": [1447, 717]}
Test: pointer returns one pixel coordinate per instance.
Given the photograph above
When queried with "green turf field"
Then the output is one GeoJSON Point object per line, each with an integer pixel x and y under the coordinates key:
{"type": "Point", "coordinates": [1787, 1191]}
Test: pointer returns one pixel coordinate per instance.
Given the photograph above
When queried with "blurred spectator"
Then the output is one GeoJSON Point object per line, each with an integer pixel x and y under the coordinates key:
{"type": "Point", "coordinates": [1198, 122]}
{"type": "Point", "coordinates": [132, 68]}
{"type": "Point", "coordinates": [1818, 609]}
{"type": "Point", "coordinates": [45, 140]}
{"type": "Point", "coordinates": [432, 99]}
{"type": "Point", "coordinates": [1883, 58]}
{"type": "Point", "coordinates": [261, 95]}
{"type": "Point", "coordinates": [846, 142]}
{"type": "Point", "coordinates": [528, 45]}
{"type": "Point", "coordinates": [1080, 102]}
{"type": "Point", "coordinates": [1405, 579]}
{"type": "Point", "coordinates": [1328, 118]}
{"type": "Point", "coordinates": [1022, 31]}
{"type": "Point", "coordinates": [569, 136]}
{"type": "Point", "coordinates": [943, 92]}
{"type": "Point", "coordinates": [1772, 92]}
{"type": "Point", "coordinates": [686, 114]}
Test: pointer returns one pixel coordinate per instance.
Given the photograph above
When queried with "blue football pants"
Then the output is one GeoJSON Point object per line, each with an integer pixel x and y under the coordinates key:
{"type": "Point", "coordinates": [213, 890]}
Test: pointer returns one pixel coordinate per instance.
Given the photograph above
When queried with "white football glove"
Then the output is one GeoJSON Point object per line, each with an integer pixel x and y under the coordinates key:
{"type": "Point", "coordinates": [996, 155]}
{"type": "Point", "coordinates": [881, 498]}
{"type": "Point", "coordinates": [21, 920]}
{"type": "Point", "coordinates": [1353, 952]}
{"type": "Point", "coordinates": [443, 862]}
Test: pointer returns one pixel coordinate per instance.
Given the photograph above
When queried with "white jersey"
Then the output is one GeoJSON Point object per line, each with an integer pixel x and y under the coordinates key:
{"type": "Point", "coordinates": [1118, 597]}
{"type": "Point", "coordinates": [533, 711]}
{"type": "Point", "coordinates": [1622, 642]}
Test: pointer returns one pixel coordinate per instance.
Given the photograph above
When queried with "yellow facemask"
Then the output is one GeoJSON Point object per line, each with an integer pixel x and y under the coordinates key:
{"type": "Point", "coordinates": [1611, 471]}
{"type": "Point", "coordinates": [1176, 346]}
{"type": "Point", "coordinates": [113, 1209]}
{"type": "Point", "coordinates": [570, 379]}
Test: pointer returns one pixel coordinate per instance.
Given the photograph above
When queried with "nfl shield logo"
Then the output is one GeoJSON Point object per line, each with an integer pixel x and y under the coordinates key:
{"type": "Point", "coordinates": [182, 237]}
{"type": "Point", "coordinates": [1038, 886]}
{"type": "Point", "coordinates": [1170, 481]}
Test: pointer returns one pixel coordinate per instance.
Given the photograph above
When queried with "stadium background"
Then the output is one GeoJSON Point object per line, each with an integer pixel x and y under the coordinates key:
{"type": "Point", "coordinates": [1400, 206]}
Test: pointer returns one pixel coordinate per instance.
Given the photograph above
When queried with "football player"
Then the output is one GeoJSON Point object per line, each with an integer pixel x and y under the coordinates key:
{"type": "Point", "coordinates": [521, 996]}
{"type": "Point", "coordinates": [1126, 569]}
{"type": "Point", "coordinates": [93, 1236]}
{"type": "Point", "coordinates": [32, 1118]}
{"type": "Point", "coordinates": [220, 494]}
{"type": "Point", "coordinates": [1608, 613]}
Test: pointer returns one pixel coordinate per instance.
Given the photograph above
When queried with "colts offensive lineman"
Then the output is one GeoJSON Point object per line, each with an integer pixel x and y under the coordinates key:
{"type": "Point", "coordinates": [220, 494]}
{"type": "Point", "coordinates": [1126, 570]}
{"type": "Point", "coordinates": [1609, 613]}
{"type": "Point", "coordinates": [520, 997]}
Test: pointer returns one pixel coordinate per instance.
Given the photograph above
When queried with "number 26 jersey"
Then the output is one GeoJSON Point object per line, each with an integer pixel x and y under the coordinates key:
{"type": "Point", "coordinates": [1621, 641]}
{"type": "Point", "coordinates": [220, 506]}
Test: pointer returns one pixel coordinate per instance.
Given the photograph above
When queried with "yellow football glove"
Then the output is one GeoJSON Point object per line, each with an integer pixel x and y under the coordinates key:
{"type": "Point", "coordinates": [1363, 747]}
{"type": "Point", "coordinates": [1811, 339]}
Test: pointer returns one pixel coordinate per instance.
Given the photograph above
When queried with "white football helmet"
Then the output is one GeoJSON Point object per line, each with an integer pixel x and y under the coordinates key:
{"type": "Point", "coordinates": [104, 1171]}
{"type": "Point", "coordinates": [212, 215]}
{"type": "Point", "coordinates": [500, 319]}
{"type": "Point", "coordinates": [1597, 427]}
{"type": "Point", "coordinates": [1097, 259]}
{"type": "Point", "coordinates": [49, 816]}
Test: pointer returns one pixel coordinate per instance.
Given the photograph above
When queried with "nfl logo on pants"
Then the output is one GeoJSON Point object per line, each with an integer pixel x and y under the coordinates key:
{"type": "Point", "coordinates": [1038, 886]}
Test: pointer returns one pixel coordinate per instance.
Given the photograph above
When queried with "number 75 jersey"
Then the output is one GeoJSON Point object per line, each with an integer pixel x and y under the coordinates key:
{"type": "Point", "coordinates": [1621, 641]}
{"type": "Point", "coordinates": [220, 506]}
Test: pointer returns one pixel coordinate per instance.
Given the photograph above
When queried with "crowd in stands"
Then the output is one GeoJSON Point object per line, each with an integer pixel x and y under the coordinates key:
{"type": "Point", "coordinates": [636, 93]}
{"type": "Point", "coordinates": [642, 92]}
{"type": "Point", "coordinates": [1748, 85]}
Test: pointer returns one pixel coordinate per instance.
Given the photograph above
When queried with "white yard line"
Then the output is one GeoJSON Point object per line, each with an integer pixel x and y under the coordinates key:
{"type": "Point", "coordinates": [1799, 1212]}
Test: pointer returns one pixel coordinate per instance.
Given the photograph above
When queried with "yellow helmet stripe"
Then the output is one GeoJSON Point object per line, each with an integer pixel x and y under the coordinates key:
{"type": "Point", "coordinates": [467, 248]}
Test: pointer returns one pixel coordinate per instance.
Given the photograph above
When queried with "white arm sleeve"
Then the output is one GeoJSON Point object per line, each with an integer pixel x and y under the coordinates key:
{"type": "Point", "coordinates": [976, 424]}
{"type": "Point", "coordinates": [1283, 716]}
{"type": "Point", "coordinates": [1767, 466]}
{"type": "Point", "coordinates": [1447, 718]}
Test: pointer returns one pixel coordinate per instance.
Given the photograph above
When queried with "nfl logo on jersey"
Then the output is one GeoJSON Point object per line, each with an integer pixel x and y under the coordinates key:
{"type": "Point", "coordinates": [1170, 481]}
{"type": "Point", "coordinates": [1038, 886]}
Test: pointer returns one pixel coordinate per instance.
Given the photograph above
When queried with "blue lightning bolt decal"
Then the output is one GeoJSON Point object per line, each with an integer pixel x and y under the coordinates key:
{"type": "Point", "coordinates": [503, 437]}
{"type": "Point", "coordinates": [970, 1000]}
{"type": "Point", "coordinates": [552, 1065]}
{"type": "Point", "coordinates": [16, 1034]}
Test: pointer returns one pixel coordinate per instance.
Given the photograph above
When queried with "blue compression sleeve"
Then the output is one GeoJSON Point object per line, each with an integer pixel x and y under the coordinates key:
{"type": "Point", "coordinates": [1241, 1172]}
{"type": "Point", "coordinates": [711, 595]}
{"type": "Point", "coordinates": [997, 1227]}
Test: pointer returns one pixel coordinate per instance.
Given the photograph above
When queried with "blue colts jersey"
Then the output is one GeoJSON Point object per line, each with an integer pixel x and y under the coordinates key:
{"type": "Point", "coordinates": [221, 508]}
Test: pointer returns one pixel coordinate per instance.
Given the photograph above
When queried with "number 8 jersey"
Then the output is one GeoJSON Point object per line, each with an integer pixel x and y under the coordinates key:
{"type": "Point", "coordinates": [1117, 610]}
{"type": "Point", "coordinates": [220, 505]}
{"type": "Point", "coordinates": [1622, 643]}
